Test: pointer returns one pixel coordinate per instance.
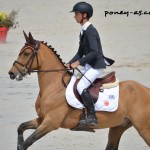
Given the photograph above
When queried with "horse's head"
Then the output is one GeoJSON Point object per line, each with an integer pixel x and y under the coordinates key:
{"type": "Point", "coordinates": [27, 58]}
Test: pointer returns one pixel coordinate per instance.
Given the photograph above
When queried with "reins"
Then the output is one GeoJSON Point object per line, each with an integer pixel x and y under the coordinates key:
{"type": "Point", "coordinates": [56, 70]}
{"type": "Point", "coordinates": [35, 55]}
{"type": "Point", "coordinates": [51, 70]}
{"type": "Point", "coordinates": [27, 67]}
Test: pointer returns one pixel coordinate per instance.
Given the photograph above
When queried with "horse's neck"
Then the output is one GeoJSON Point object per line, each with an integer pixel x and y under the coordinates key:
{"type": "Point", "coordinates": [49, 61]}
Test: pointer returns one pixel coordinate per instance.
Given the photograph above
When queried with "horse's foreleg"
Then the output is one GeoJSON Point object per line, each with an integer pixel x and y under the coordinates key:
{"type": "Point", "coordinates": [115, 134]}
{"type": "Point", "coordinates": [42, 130]}
{"type": "Point", "coordinates": [33, 124]}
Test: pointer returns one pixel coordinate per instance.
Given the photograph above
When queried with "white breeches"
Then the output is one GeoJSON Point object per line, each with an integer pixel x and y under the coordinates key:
{"type": "Point", "coordinates": [91, 74]}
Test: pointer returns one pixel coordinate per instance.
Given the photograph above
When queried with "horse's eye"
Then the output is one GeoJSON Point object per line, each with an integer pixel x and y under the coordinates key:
{"type": "Point", "coordinates": [26, 54]}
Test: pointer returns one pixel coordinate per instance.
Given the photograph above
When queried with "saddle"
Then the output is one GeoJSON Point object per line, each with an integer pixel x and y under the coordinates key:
{"type": "Point", "coordinates": [98, 86]}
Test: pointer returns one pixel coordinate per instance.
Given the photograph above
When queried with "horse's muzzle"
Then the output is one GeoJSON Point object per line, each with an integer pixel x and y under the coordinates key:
{"type": "Point", "coordinates": [12, 75]}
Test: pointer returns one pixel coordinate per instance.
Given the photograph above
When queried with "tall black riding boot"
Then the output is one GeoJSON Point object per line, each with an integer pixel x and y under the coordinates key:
{"type": "Point", "coordinates": [91, 119]}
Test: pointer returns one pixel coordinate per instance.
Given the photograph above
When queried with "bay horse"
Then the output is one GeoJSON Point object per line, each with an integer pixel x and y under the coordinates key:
{"type": "Point", "coordinates": [53, 110]}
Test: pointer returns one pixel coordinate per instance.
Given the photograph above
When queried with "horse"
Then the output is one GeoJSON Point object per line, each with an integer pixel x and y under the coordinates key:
{"type": "Point", "coordinates": [53, 110]}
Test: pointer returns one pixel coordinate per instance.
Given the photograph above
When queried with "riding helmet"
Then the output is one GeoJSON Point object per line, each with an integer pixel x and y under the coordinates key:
{"type": "Point", "coordinates": [83, 7]}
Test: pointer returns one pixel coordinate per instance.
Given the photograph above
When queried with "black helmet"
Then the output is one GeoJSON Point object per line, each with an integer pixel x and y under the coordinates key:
{"type": "Point", "coordinates": [83, 7]}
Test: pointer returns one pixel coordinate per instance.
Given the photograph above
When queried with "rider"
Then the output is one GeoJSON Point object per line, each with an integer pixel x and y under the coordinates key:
{"type": "Point", "coordinates": [89, 55]}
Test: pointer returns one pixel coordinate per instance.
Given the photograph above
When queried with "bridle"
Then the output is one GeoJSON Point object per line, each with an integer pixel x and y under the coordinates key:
{"type": "Point", "coordinates": [30, 62]}
{"type": "Point", "coordinates": [28, 66]}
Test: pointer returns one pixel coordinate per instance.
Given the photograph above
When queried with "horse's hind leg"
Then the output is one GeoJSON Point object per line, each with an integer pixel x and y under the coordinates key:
{"type": "Point", "coordinates": [33, 124]}
{"type": "Point", "coordinates": [145, 133]}
{"type": "Point", "coordinates": [146, 137]}
{"type": "Point", "coordinates": [115, 134]}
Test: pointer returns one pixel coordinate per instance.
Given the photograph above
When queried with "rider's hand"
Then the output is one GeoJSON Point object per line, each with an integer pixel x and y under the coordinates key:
{"type": "Point", "coordinates": [75, 64]}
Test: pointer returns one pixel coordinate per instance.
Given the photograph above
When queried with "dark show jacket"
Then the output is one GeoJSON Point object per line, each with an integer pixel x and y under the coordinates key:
{"type": "Point", "coordinates": [90, 47]}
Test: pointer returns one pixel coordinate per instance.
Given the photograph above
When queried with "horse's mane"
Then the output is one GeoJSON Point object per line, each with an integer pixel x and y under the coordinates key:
{"type": "Point", "coordinates": [55, 52]}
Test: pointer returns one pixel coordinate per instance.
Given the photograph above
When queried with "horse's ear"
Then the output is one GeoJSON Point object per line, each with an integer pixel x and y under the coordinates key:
{"type": "Point", "coordinates": [26, 37]}
{"type": "Point", "coordinates": [31, 39]}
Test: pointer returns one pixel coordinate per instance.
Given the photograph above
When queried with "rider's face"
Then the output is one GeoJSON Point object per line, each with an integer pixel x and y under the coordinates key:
{"type": "Point", "coordinates": [78, 17]}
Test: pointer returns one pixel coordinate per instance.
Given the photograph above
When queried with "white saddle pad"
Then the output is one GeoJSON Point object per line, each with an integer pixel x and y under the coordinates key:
{"type": "Point", "coordinates": [107, 100]}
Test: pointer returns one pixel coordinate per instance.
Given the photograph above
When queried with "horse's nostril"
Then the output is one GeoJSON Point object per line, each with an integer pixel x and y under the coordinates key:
{"type": "Point", "coordinates": [12, 75]}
